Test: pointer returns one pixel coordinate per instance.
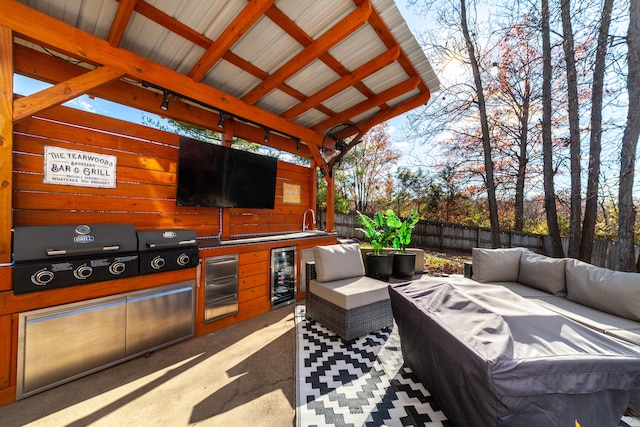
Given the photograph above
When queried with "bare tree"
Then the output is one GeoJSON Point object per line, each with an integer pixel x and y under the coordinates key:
{"type": "Point", "coordinates": [627, 211]}
{"type": "Point", "coordinates": [484, 124]}
{"type": "Point", "coordinates": [595, 144]}
{"type": "Point", "coordinates": [574, 128]}
{"type": "Point", "coordinates": [547, 142]}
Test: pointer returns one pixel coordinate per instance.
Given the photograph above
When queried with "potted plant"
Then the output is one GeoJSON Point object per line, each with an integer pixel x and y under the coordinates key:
{"type": "Point", "coordinates": [379, 231]}
{"type": "Point", "coordinates": [403, 262]}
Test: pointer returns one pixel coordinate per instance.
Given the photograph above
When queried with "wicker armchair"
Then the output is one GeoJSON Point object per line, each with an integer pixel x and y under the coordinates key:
{"type": "Point", "coordinates": [341, 297]}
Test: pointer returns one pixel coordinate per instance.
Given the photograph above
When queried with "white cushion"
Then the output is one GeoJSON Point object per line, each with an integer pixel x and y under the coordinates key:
{"type": "Point", "coordinates": [611, 291]}
{"type": "Point", "coordinates": [351, 293]}
{"type": "Point", "coordinates": [543, 272]}
{"type": "Point", "coordinates": [496, 265]}
{"type": "Point", "coordinates": [335, 262]}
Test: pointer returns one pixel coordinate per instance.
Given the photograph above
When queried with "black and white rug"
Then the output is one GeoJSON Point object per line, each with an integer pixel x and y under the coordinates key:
{"type": "Point", "coordinates": [364, 383]}
{"type": "Point", "coordinates": [360, 384]}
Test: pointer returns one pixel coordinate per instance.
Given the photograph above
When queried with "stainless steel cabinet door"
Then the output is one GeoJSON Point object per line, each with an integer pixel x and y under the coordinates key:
{"type": "Point", "coordinates": [56, 345]}
{"type": "Point", "coordinates": [159, 318]}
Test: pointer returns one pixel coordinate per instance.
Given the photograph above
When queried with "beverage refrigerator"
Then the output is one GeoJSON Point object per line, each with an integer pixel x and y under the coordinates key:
{"type": "Point", "coordinates": [283, 276]}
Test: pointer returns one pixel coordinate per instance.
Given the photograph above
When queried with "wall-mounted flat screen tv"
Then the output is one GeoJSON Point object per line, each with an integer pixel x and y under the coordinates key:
{"type": "Point", "coordinates": [218, 176]}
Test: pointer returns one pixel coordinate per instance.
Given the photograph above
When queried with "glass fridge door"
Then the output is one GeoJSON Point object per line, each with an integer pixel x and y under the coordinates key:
{"type": "Point", "coordinates": [283, 276]}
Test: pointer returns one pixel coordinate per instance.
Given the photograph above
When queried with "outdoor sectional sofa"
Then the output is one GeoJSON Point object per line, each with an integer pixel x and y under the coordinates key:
{"type": "Point", "coordinates": [528, 340]}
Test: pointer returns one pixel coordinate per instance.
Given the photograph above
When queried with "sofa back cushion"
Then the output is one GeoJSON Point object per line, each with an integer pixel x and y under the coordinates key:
{"type": "Point", "coordinates": [496, 265]}
{"type": "Point", "coordinates": [335, 262]}
{"type": "Point", "coordinates": [543, 272]}
{"type": "Point", "coordinates": [606, 290]}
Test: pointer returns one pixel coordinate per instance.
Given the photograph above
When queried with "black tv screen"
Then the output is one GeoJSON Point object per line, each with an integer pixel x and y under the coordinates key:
{"type": "Point", "coordinates": [218, 176]}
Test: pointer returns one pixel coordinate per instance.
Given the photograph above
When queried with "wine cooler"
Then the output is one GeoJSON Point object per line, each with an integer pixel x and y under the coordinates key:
{"type": "Point", "coordinates": [283, 276]}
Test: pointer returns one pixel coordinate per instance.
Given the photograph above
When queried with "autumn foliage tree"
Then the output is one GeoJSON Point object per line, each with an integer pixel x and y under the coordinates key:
{"type": "Point", "coordinates": [365, 172]}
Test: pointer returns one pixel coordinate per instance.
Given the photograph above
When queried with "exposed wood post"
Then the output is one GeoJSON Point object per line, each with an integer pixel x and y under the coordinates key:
{"type": "Point", "coordinates": [6, 142]}
{"type": "Point", "coordinates": [227, 135]}
{"type": "Point", "coordinates": [313, 190]}
{"type": "Point", "coordinates": [331, 202]}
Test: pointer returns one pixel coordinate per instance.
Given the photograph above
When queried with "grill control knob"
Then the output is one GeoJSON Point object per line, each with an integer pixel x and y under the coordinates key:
{"type": "Point", "coordinates": [157, 263]}
{"type": "Point", "coordinates": [83, 272]}
{"type": "Point", "coordinates": [183, 259]}
{"type": "Point", "coordinates": [42, 277]}
{"type": "Point", "coordinates": [117, 267]}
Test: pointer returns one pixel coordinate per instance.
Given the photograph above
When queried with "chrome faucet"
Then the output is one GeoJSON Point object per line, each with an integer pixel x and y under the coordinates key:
{"type": "Point", "coordinates": [304, 219]}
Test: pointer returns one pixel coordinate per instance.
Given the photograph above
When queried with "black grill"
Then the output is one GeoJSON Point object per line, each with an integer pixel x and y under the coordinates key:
{"type": "Point", "coordinates": [166, 250]}
{"type": "Point", "coordinates": [57, 256]}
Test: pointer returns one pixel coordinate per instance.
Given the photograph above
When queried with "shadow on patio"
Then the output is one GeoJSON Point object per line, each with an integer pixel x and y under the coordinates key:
{"type": "Point", "coordinates": [241, 375]}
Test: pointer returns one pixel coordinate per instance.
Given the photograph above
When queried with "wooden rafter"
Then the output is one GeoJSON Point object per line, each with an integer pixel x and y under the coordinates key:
{"type": "Point", "coordinates": [344, 82]}
{"type": "Point", "coordinates": [120, 21]}
{"type": "Point", "coordinates": [172, 24]}
{"type": "Point", "coordinates": [330, 38]}
{"type": "Point", "coordinates": [283, 21]}
{"type": "Point", "coordinates": [78, 44]}
{"type": "Point", "coordinates": [385, 114]}
{"type": "Point", "coordinates": [43, 67]}
{"type": "Point", "coordinates": [62, 92]}
{"type": "Point", "coordinates": [376, 101]}
{"type": "Point", "coordinates": [245, 19]}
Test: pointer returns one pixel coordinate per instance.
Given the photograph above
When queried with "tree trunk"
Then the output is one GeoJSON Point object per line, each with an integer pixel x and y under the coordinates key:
{"type": "Point", "coordinates": [484, 123]}
{"type": "Point", "coordinates": [627, 211]}
{"type": "Point", "coordinates": [547, 152]}
{"type": "Point", "coordinates": [574, 129]}
{"type": "Point", "coordinates": [522, 158]}
{"type": "Point", "coordinates": [591, 206]}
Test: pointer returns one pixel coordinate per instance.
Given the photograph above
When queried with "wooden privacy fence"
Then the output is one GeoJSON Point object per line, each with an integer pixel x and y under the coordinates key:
{"type": "Point", "coordinates": [453, 237]}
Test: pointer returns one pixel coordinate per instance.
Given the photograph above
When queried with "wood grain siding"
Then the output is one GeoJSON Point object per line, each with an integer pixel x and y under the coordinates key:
{"type": "Point", "coordinates": [146, 180]}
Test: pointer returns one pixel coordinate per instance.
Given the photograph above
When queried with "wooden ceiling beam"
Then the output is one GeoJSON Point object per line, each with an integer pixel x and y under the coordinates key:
{"type": "Point", "coordinates": [388, 113]}
{"type": "Point", "coordinates": [43, 67]}
{"type": "Point", "coordinates": [120, 21]}
{"type": "Point", "coordinates": [364, 106]}
{"type": "Point", "coordinates": [170, 23]}
{"type": "Point", "coordinates": [241, 23]}
{"type": "Point", "coordinates": [376, 64]}
{"type": "Point", "coordinates": [6, 144]}
{"type": "Point", "coordinates": [330, 38]}
{"type": "Point", "coordinates": [62, 92]}
{"type": "Point", "coordinates": [79, 44]}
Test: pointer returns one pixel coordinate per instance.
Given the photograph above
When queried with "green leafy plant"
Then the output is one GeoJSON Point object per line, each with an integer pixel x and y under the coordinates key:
{"type": "Point", "coordinates": [380, 229]}
{"type": "Point", "coordinates": [403, 231]}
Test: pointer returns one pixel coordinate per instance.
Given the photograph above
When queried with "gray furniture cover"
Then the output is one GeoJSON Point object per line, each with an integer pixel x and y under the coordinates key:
{"type": "Point", "coordinates": [491, 358]}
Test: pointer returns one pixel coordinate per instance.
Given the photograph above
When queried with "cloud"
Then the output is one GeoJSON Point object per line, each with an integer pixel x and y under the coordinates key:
{"type": "Point", "coordinates": [81, 104]}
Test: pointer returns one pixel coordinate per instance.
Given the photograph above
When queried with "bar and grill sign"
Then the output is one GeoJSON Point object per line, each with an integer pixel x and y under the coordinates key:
{"type": "Point", "coordinates": [80, 168]}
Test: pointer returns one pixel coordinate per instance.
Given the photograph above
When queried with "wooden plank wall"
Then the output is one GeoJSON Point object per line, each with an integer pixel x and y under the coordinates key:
{"type": "Point", "coordinates": [146, 180]}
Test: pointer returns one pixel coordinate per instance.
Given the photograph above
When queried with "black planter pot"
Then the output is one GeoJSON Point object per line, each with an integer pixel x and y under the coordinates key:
{"type": "Point", "coordinates": [404, 265]}
{"type": "Point", "coordinates": [379, 266]}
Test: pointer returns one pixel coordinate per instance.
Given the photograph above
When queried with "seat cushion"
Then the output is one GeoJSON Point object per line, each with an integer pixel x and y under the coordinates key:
{"type": "Point", "coordinates": [335, 262]}
{"type": "Point", "coordinates": [543, 272]}
{"type": "Point", "coordinates": [352, 292]}
{"type": "Point", "coordinates": [496, 265]}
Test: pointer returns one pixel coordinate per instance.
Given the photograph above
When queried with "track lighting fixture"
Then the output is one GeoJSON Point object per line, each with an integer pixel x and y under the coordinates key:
{"type": "Point", "coordinates": [165, 100]}
{"type": "Point", "coordinates": [221, 114]}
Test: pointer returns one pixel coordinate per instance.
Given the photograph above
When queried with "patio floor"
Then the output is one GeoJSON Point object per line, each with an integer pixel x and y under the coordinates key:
{"type": "Point", "coordinates": [243, 375]}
